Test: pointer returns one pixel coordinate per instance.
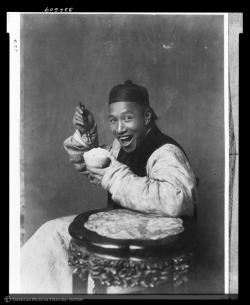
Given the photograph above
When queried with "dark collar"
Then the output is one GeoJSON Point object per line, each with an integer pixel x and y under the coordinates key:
{"type": "Point", "coordinates": [137, 160]}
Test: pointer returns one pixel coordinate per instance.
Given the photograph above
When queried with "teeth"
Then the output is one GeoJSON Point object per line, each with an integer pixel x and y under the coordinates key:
{"type": "Point", "coordinates": [124, 138]}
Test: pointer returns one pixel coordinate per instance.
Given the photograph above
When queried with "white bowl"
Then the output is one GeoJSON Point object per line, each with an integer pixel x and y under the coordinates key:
{"type": "Point", "coordinates": [97, 157]}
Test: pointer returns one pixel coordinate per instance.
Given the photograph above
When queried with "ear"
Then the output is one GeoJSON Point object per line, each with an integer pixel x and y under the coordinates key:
{"type": "Point", "coordinates": [147, 115]}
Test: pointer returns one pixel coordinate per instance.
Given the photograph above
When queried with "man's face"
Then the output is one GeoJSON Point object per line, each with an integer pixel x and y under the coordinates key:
{"type": "Point", "coordinates": [128, 124]}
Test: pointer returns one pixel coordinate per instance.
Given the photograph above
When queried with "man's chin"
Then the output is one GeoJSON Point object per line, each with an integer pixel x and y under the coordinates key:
{"type": "Point", "coordinates": [129, 148]}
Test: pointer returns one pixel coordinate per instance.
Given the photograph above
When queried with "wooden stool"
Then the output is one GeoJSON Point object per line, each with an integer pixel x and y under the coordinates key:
{"type": "Point", "coordinates": [131, 266]}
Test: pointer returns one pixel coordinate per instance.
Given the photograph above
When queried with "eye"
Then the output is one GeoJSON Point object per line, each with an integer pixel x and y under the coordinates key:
{"type": "Point", "coordinates": [112, 121]}
{"type": "Point", "coordinates": [127, 118]}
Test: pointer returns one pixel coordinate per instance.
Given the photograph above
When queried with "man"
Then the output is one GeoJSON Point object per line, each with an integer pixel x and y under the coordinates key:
{"type": "Point", "coordinates": [149, 171]}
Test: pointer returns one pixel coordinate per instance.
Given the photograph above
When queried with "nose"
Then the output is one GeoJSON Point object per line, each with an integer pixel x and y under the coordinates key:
{"type": "Point", "coordinates": [120, 127]}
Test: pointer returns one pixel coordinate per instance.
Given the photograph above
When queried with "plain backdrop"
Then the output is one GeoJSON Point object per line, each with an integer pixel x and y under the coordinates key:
{"type": "Point", "coordinates": [67, 59]}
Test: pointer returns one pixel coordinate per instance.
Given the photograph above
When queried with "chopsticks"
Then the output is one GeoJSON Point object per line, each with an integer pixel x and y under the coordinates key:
{"type": "Point", "coordinates": [86, 123]}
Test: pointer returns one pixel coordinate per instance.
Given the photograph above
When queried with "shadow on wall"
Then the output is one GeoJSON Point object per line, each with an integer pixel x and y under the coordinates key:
{"type": "Point", "coordinates": [67, 59]}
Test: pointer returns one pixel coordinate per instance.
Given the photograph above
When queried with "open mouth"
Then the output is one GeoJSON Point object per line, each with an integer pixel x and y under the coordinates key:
{"type": "Point", "coordinates": [126, 140]}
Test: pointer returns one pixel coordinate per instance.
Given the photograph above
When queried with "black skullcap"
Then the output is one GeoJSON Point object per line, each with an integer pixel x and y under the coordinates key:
{"type": "Point", "coordinates": [129, 92]}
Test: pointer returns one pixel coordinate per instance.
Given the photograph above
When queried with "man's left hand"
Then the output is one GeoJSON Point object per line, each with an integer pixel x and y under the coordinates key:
{"type": "Point", "coordinates": [96, 172]}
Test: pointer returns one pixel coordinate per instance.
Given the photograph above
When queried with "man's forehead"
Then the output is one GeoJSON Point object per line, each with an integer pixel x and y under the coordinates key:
{"type": "Point", "coordinates": [125, 106]}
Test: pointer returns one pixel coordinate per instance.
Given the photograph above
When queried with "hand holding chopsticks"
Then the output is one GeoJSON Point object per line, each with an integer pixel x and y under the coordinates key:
{"type": "Point", "coordinates": [83, 120]}
{"type": "Point", "coordinates": [86, 122]}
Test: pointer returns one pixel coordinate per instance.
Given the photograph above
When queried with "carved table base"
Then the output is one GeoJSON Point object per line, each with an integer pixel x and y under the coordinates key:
{"type": "Point", "coordinates": [114, 275]}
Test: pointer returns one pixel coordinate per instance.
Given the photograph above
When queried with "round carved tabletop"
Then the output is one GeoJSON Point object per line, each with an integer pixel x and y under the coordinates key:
{"type": "Point", "coordinates": [131, 248]}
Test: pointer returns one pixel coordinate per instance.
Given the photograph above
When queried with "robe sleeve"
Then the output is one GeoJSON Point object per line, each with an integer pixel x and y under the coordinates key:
{"type": "Point", "coordinates": [169, 188]}
{"type": "Point", "coordinates": [77, 144]}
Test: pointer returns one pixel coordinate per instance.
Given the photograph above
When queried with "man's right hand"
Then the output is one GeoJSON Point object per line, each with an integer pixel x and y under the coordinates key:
{"type": "Point", "coordinates": [78, 120]}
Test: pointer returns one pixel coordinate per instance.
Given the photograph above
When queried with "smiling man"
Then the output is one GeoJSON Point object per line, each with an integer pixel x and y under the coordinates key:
{"type": "Point", "coordinates": [149, 171]}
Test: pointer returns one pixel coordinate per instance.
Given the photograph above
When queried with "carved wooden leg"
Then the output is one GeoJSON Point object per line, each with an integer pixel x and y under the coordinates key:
{"type": "Point", "coordinates": [79, 286]}
{"type": "Point", "coordinates": [78, 260]}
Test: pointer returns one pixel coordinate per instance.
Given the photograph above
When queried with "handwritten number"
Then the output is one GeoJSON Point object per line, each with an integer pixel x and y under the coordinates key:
{"type": "Point", "coordinates": [57, 9]}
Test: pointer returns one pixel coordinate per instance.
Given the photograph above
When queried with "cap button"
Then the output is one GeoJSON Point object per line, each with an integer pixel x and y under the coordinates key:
{"type": "Point", "coordinates": [128, 82]}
